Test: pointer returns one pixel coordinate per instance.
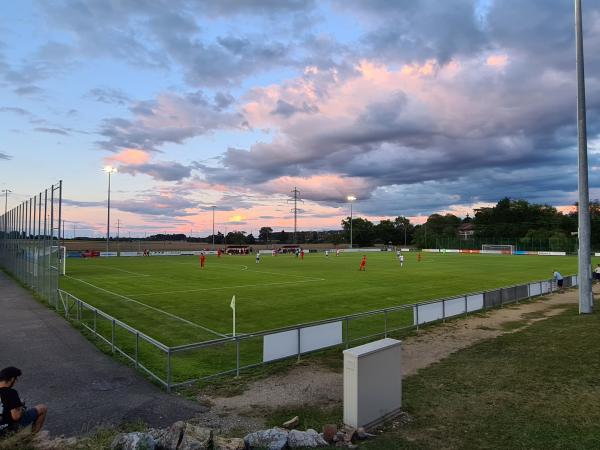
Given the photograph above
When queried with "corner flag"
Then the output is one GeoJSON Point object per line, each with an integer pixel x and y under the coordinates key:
{"type": "Point", "coordinates": [232, 306]}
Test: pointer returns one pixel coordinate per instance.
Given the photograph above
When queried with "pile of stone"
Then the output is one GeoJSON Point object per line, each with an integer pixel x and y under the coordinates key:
{"type": "Point", "coordinates": [188, 436]}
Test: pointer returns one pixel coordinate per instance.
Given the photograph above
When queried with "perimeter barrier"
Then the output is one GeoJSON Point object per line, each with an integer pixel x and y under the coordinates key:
{"type": "Point", "coordinates": [30, 242]}
{"type": "Point", "coordinates": [182, 365]}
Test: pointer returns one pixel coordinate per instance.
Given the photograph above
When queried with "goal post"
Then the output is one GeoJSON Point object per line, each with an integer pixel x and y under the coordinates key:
{"type": "Point", "coordinates": [503, 249]}
{"type": "Point", "coordinates": [60, 263]}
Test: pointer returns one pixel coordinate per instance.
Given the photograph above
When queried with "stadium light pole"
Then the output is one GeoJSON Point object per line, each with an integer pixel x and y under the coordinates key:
{"type": "Point", "coordinates": [213, 233]}
{"type": "Point", "coordinates": [585, 270]}
{"type": "Point", "coordinates": [109, 170]}
{"type": "Point", "coordinates": [350, 199]}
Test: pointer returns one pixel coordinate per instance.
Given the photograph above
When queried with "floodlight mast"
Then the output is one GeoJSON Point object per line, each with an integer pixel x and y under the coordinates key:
{"type": "Point", "coordinates": [6, 192]}
{"type": "Point", "coordinates": [583, 213]}
{"type": "Point", "coordinates": [109, 170]}
{"type": "Point", "coordinates": [213, 223]}
{"type": "Point", "coordinates": [350, 199]}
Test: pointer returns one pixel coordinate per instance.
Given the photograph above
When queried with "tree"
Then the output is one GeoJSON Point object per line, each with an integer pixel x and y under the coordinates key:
{"type": "Point", "coordinates": [264, 234]}
{"type": "Point", "coordinates": [363, 231]}
{"type": "Point", "coordinates": [236, 237]}
{"type": "Point", "coordinates": [250, 240]}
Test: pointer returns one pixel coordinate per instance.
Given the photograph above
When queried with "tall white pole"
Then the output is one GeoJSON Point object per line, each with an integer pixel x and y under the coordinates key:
{"type": "Point", "coordinates": [213, 232]}
{"type": "Point", "coordinates": [350, 224]}
{"type": "Point", "coordinates": [585, 270]}
{"type": "Point", "coordinates": [108, 217]}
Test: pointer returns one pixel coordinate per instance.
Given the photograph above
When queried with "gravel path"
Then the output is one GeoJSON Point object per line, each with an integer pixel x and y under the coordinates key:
{"type": "Point", "coordinates": [82, 387]}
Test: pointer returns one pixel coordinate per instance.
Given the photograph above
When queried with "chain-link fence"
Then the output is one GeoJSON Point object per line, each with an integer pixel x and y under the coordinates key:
{"type": "Point", "coordinates": [30, 248]}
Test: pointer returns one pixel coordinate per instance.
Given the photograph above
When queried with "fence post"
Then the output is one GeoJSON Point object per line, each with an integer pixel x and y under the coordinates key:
{"type": "Point", "coordinates": [347, 333]}
{"type": "Point", "coordinates": [169, 377]}
{"type": "Point", "coordinates": [298, 342]}
{"type": "Point", "coordinates": [237, 354]}
{"type": "Point", "coordinates": [112, 340]}
{"type": "Point", "coordinates": [417, 315]}
{"type": "Point", "coordinates": [385, 327]}
{"type": "Point", "coordinates": [443, 310]}
{"type": "Point", "coordinates": [137, 348]}
{"type": "Point", "coordinates": [95, 319]}
{"type": "Point", "coordinates": [466, 306]}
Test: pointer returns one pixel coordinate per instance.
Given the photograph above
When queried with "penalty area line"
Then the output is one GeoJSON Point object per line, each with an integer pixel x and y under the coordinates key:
{"type": "Point", "coordinates": [173, 316]}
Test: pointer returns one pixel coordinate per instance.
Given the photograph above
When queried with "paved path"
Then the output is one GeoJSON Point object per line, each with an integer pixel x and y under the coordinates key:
{"type": "Point", "coordinates": [82, 386]}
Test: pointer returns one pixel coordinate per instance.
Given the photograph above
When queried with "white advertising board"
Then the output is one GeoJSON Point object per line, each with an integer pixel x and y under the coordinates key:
{"type": "Point", "coordinates": [454, 306]}
{"type": "Point", "coordinates": [428, 313]}
{"type": "Point", "coordinates": [474, 302]}
{"type": "Point", "coordinates": [535, 289]}
{"type": "Point", "coordinates": [320, 336]}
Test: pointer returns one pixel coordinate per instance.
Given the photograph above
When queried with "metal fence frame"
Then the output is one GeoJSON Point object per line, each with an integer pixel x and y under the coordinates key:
{"type": "Point", "coordinates": [73, 308]}
{"type": "Point", "coordinates": [30, 242]}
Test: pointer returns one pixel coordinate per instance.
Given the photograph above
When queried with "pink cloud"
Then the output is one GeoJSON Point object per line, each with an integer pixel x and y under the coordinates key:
{"type": "Point", "coordinates": [128, 156]}
{"type": "Point", "coordinates": [498, 61]}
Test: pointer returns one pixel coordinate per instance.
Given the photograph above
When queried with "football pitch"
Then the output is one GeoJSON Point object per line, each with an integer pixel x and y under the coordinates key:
{"type": "Point", "coordinates": [173, 300]}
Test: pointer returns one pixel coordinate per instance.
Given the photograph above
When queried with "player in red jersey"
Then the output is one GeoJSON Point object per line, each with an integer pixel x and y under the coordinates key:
{"type": "Point", "coordinates": [202, 260]}
{"type": "Point", "coordinates": [363, 263]}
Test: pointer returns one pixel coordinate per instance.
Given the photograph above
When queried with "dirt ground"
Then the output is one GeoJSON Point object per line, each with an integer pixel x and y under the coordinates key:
{"type": "Point", "coordinates": [314, 385]}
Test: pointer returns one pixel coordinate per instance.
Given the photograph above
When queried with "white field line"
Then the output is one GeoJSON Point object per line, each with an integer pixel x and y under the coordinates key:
{"type": "Point", "coordinates": [246, 268]}
{"type": "Point", "coordinates": [173, 316]}
{"type": "Point", "coordinates": [230, 287]}
{"type": "Point", "coordinates": [120, 270]}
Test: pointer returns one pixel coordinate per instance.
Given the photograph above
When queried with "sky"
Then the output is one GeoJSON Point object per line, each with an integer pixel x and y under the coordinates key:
{"type": "Point", "coordinates": [412, 106]}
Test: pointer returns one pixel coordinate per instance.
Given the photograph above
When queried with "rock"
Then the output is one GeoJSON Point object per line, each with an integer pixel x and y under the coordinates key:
{"type": "Point", "coordinates": [171, 438]}
{"type": "Point", "coordinates": [349, 433]}
{"type": "Point", "coordinates": [339, 436]}
{"type": "Point", "coordinates": [195, 438]}
{"type": "Point", "coordinates": [309, 438]}
{"type": "Point", "coordinates": [292, 423]}
{"type": "Point", "coordinates": [222, 443]}
{"type": "Point", "coordinates": [159, 435]}
{"type": "Point", "coordinates": [361, 434]}
{"type": "Point", "coordinates": [133, 441]}
{"type": "Point", "coordinates": [329, 432]}
{"type": "Point", "coordinates": [273, 439]}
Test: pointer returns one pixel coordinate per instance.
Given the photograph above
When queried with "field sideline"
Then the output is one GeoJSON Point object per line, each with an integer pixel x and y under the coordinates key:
{"type": "Point", "coordinates": [176, 302]}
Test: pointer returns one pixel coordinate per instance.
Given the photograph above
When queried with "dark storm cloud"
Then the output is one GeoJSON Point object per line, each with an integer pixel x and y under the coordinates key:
{"type": "Point", "coordinates": [405, 30]}
{"type": "Point", "coordinates": [286, 109]}
{"type": "Point", "coordinates": [5, 156]}
{"type": "Point", "coordinates": [160, 171]}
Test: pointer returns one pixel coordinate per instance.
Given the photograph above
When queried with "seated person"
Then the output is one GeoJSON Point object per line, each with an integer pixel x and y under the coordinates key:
{"type": "Point", "coordinates": [14, 412]}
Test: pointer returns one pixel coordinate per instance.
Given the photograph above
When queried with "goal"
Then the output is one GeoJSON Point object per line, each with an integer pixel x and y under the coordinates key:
{"type": "Point", "coordinates": [58, 259]}
{"type": "Point", "coordinates": [502, 249]}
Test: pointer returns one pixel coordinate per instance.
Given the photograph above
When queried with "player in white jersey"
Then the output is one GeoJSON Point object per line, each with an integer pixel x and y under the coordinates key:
{"type": "Point", "coordinates": [326, 252]}
{"type": "Point", "coordinates": [401, 259]}
{"type": "Point", "coordinates": [257, 257]}
{"type": "Point", "coordinates": [337, 252]}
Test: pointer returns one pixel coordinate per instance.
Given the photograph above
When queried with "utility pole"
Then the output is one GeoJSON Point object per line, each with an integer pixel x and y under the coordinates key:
{"type": "Point", "coordinates": [213, 232]}
{"type": "Point", "coordinates": [6, 192]}
{"type": "Point", "coordinates": [295, 198]}
{"type": "Point", "coordinates": [585, 270]}
{"type": "Point", "coordinates": [350, 199]}
{"type": "Point", "coordinates": [118, 236]}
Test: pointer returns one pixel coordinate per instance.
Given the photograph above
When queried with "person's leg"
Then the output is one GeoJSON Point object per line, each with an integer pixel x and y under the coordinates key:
{"type": "Point", "coordinates": [41, 418]}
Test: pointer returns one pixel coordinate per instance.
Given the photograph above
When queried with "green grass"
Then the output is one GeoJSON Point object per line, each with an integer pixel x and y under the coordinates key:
{"type": "Point", "coordinates": [533, 389]}
{"type": "Point", "coordinates": [174, 301]}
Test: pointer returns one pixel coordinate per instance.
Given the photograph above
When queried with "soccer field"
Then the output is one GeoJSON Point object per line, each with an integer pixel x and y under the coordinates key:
{"type": "Point", "coordinates": [176, 302]}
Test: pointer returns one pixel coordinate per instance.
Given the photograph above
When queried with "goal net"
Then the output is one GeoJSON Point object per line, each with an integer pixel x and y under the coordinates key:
{"type": "Point", "coordinates": [58, 259]}
{"type": "Point", "coordinates": [501, 249]}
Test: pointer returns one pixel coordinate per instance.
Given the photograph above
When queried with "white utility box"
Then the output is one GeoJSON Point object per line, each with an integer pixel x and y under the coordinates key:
{"type": "Point", "coordinates": [372, 383]}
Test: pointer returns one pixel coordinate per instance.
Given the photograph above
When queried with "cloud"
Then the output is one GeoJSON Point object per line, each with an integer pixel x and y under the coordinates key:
{"type": "Point", "coordinates": [128, 156]}
{"type": "Point", "coordinates": [109, 96]}
{"type": "Point", "coordinates": [160, 171]}
{"type": "Point", "coordinates": [5, 156]}
{"type": "Point", "coordinates": [52, 131]}
{"type": "Point", "coordinates": [170, 118]}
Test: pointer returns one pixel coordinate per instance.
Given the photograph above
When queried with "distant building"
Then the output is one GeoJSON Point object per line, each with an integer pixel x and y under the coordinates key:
{"type": "Point", "coordinates": [466, 231]}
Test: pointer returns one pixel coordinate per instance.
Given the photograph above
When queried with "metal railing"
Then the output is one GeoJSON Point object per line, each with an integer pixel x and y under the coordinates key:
{"type": "Point", "coordinates": [171, 366]}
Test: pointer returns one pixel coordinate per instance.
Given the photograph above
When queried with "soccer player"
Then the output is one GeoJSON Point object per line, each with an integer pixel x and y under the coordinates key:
{"type": "Point", "coordinates": [401, 259]}
{"type": "Point", "coordinates": [419, 257]}
{"type": "Point", "coordinates": [218, 253]}
{"type": "Point", "coordinates": [337, 252]}
{"type": "Point", "coordinates": [257, 257]}
{"type": "Point", "coordinates": [202, 260]}
{"type": "Point", "coordinates": [363, 263]}
{"type": "Point", "coordinates": [558, 278]}
{"type": "Point", "coordinates": [302, 254]}
{"type": "Point", "coordinates": [327, 254]}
